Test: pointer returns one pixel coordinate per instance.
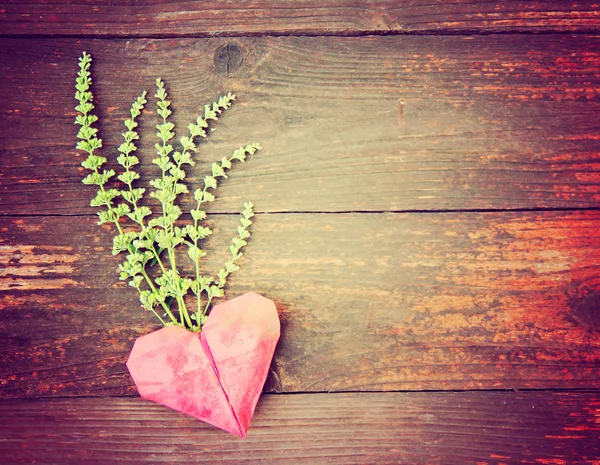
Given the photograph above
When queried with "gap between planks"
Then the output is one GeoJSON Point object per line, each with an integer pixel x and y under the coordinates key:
{"type": "Point", "coordinates": [300, 33]}
{"type": "Point", "coordinates": [340, 212]}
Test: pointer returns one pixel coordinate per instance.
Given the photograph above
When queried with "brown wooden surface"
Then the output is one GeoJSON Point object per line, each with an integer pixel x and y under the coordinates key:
{"type": "Point", "coordinates": [428, 221]}
{"type": "Point", "coordinates": [488, 428]}
{"type": "Point", "coordinates": [222, 17]}
{"type": "Point", "coordinates": [349, 124]}
{"type": "Point", "coordinates": [367, 301]}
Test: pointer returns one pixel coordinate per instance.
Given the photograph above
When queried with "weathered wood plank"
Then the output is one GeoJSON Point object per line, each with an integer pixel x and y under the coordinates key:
{"type": "Point", "coordinates": [369, 124]}
{"type": "Point", "coordinates": [177, 18]}
{"type": "Point", "coordinates": [367, 302]}
{"type": "Point", "coordinates": [384, 428]}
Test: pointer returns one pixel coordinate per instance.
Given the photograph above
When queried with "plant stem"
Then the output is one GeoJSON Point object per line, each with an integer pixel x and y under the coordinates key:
{"type": "Point", "coordinates": [154, 311]}
{"type": "Point", "coordinates": [164, 305]}
{"type": "Point", "coordinates": [158, 316]}
{"type": "Point", "coordinates": [158, 260]}
{"type": "Point", "coordinates": [183, 312]}
{"type": "Point", "coordinates": [199, 313]}
{"type": "Point", "coordinates": [198, 300]}
{"type": "Point", "coordinates": [207, 304]}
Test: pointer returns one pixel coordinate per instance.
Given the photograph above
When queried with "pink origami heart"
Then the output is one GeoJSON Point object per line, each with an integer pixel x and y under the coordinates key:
{"type": "Point", "coordinates": [216, 375]}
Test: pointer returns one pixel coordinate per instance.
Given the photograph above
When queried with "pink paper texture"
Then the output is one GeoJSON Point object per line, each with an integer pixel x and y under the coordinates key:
{"type": "Point", "coordinates": [216, 375]}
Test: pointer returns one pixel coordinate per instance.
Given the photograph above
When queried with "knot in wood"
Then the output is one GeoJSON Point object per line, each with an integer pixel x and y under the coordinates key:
{"type": "Point", "coordinates": [228, 58]}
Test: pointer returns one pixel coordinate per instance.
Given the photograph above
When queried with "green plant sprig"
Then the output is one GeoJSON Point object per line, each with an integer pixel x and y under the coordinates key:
{"type": "Point", "coordinates": [89, 142]}
{"type": "Point", "coordinates": [155, 235]}
{"type": "Point", "coordinates": [204, 284]}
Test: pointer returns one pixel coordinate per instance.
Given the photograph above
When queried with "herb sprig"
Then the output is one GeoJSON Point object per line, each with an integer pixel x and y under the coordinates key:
{"type": "Point", "coordinates": [155, 238]}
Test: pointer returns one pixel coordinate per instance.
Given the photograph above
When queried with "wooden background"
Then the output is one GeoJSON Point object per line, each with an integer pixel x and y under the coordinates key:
{"type": "Point", "coordinates": [428, 226]}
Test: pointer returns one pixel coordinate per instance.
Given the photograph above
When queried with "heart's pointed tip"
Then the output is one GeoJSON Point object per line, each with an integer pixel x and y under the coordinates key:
{"type": "Point", "coordinates": [239, 433]}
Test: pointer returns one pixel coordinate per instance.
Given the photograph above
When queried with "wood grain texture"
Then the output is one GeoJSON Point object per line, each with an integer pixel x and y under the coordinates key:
{"type": "Point", "coordinates": [371, 302]}
{"type": "Point", "coordinates": [348, 124]}
{"type": "Point", "coordinates": [403, 106]}
{"type": "Point", "coordinates": [483, 428]}
{"type": "Point", "coordinates": [340, 17]}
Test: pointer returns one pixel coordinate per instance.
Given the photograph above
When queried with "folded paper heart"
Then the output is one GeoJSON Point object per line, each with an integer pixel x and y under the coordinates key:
{"type": "Point", "coordinates": [216, 375]}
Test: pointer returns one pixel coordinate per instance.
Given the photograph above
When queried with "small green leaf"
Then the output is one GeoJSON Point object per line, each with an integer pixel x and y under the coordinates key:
{"type": "Point", "coordinates": [215, 291]}
{"type": "Point", "coordinates": [105, 217]}
{"type": "Point", "coordinates": [225, 163]}
{"type": "Point", "coordinates": [128, 177]}
{"type": "Point", "coordinates": [230, 267]}
{"type": "Point", "coordinates": [139, 214]}
{"type": "Point", "coordinates": [218, 171]}
{"type": "Point", "coordinates": [195, 253]}
{"type": "Point", "coordinates": [104, 198]}
{"type": "Point", "coordinates": [93, 162]}
{"type": "Point", "coordinates": [180, 188]}
{"type": "Point", "coordinates": [242, 232]}
{"type": "Point", "coordinates": [239, 155]}
{"type": "Point", "coordinates": [239, 242]}
{"type": "Point", "coordinates": [202, 196]}
{"type": "Point", "coordinates": [198, 215]}
{"type": "Point", "coordinates": [210, 182]}
{"type": "Point", "coordinates": [122, 241]}
{"type": "Point", "coordinates": [204, 232]}
{"type": "Point", "coordinates": [136, 281]}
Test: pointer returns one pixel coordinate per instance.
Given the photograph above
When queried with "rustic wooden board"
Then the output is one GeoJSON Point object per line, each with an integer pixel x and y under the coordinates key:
{"type": "Point", "coordinates": [488, 428]}
{"type": "Point", "coordinates": [386, 107]}
{"type": "Point", "coordinates": [367, 302]}
{"type": "Point", "coordinates": [339, 17]}
{"type": "Point", "coordinates": [348, 124]}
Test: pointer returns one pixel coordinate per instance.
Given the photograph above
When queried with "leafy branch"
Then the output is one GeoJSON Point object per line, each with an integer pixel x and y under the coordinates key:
{"type": "Point", "coordinates": [156, 235]}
